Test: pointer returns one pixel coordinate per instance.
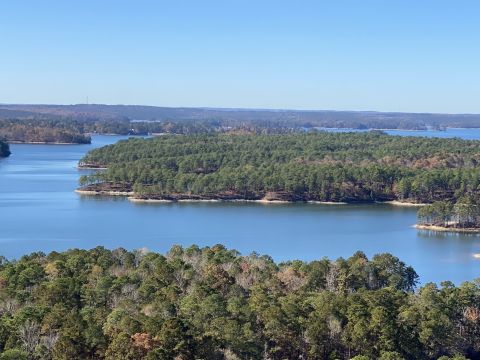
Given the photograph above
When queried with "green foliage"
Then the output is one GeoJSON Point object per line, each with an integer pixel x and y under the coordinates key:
{"type": "Point", "coordinates": [42, 131]}
{"type": "Point", "coordinates": [14, 354]}
{"type": "Point", "coordinates": [316, 166]}
{"type": "Point", "coordinates": [213, 303]}
{"type": "Point", "coordinates": [464, 213]}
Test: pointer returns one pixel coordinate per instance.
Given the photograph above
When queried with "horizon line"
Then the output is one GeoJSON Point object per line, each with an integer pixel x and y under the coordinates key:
{"type": "Point", "coordinates": [243, 108]}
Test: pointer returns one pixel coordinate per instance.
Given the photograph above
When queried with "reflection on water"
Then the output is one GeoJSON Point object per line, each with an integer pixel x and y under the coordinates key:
{"type": "Point", "coordinates": [40, 211]}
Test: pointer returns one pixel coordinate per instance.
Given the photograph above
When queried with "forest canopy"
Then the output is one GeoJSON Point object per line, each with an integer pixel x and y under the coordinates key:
{"type": "Point", "coordinates": [41, 131]}
{"type": "Point", "coordinates": [314, 166]}
{"type": "Point", "coordinates": [213, 303]}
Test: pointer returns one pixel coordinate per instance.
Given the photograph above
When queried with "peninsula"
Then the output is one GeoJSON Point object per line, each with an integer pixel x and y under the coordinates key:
{"type": "Point", "coordinates": [460, 216]}
{"type": "Point", "coordinates": [314, 166]}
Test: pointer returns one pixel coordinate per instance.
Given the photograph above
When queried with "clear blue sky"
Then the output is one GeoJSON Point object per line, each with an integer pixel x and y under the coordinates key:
{"type": "Point", "coordinates": [387, 55]}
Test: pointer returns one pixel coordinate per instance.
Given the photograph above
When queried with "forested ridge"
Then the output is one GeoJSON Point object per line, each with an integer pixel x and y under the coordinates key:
{"type": "Point", "coordinates": [236, 117]}
{"type": "Point", "coordinates": [41, 131]}
{"type": "Point", "coordinates": [319, 166]}
{"type": "Point", "coordinates": [213, 303]}
{"type": "Point", "coordinates": [4, 149]}
{"type": "Point", "coordinates": [79, 130]}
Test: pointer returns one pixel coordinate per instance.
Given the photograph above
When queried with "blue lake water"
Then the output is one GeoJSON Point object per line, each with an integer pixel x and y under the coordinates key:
{"type": "Point", "coordinates": [40, 212]}
{"type": "Point", "coordinates": [467, 134]}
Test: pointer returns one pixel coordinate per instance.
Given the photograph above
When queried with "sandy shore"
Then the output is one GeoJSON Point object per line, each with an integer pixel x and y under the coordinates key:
{"type": "Point", "coordinates": [327, 202]}
{"type": "Point", "coordinates": [265, 201]}
{"type": "Point", "coordinates": [446, 229]}
{"type": "Point", "coordinates": [137, 200]}
{"type": "Point", "coordinates": [132, 198]}
{"type": "Point", "coordinates": [106, 193]}
{"type": "Point", "coordinates": [401, 203]}
{"type": "Point", "coordinates": [261, 201]}
{"type": "Point", "coordinates": [199, 200]}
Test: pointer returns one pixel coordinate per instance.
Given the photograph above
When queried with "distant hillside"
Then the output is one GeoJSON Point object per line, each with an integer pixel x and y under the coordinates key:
{"type": "Point", "coordinates": [291, 118]}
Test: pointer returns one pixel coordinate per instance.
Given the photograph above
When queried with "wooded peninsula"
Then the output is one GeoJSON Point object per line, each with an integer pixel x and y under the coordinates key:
{"type": "Point", "coordinates": [213, 303]}
{"type": "Point", "coordinates": [462, 215]}
{"type": "Point", "coordinates": [314, 166]}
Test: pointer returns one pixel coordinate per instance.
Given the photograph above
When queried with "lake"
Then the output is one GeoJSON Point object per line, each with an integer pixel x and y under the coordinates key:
{"type": "Point", "coordinates": [39, 211]}
{"type": "Point", "coordinates": [467, 134]}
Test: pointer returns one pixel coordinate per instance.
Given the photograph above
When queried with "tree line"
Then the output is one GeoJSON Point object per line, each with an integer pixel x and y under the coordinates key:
{"type": "Point", "coordinates": [462, 214]}
{"type": "Point", "coordinates": [41, 131]}
{"type": "Point", "coordinates": [79, 130]}
{"type": "Point", "coordinates": [317, 166]}
{"type": "Point", "coordinates": [234, 117]}
{"type": "Point", "coordinates": [213, 303]}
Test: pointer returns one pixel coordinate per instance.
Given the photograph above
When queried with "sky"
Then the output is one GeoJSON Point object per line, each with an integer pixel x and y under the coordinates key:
{"type": "Point", "coordinates": [385, 55]}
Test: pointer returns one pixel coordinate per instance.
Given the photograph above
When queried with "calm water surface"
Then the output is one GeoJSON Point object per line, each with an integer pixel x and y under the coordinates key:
{"type": "Point", "coordinates": [40, 212]}
{"type": "Point", "coordinates": [467, 134]}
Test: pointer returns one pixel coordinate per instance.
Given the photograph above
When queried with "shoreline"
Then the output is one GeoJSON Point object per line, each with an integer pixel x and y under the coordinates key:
{"type": "Point", "coordinates": [327, 202]}
{"type": "Point", "coordinates": [402, 203]}
{"type": "Point", "coordinates": [259, 201]}
{"type": "Point", "coordinates": [447, 229]}
{"type": "Point", "coordinates": [131, 197]}
{"type": "Point", "coordinates": [103, 193]}
{"type": "Point", "coordinates": [45, 143]}
{"type": "Point", "coordinates": [223, 198]}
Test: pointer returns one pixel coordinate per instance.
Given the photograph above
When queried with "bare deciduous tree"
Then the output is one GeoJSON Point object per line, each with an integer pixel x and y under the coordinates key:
{"type": "Point", "coordinates": [29, 334]}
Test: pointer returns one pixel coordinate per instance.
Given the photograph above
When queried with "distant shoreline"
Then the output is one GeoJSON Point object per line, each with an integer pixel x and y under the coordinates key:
{"type": "Point", "coordinates": [46, 143]}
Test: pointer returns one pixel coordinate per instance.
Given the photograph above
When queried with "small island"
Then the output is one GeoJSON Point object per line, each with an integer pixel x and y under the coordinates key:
{"type": "Point", "coordinates": [318, 167]}
{"type": "Point", "coordinates": [4, 149]}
